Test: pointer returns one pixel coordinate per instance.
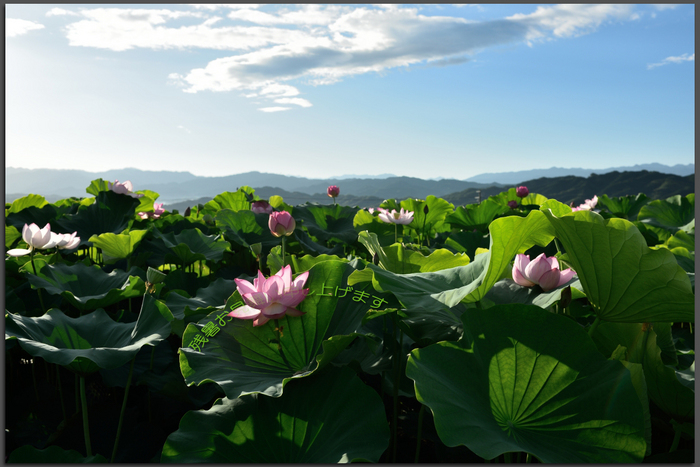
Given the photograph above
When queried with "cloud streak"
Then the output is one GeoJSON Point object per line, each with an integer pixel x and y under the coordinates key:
{"type": "Point", "coordinates": [270, 52]}
{"type": "Point", "coordinates": [17, 27]}
{"type": "Point", "coordinates": [669, 60]}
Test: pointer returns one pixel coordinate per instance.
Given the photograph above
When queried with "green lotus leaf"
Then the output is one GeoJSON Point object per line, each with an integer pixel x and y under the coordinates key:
{"type": "Point", "coordinates": [467, 242]}
{"type": "Point", "coordinates": [311, 247]}
{"type": "Point", "coordinates": [309, 424]}
{"type": "Point", "coordinates": [11, 235]}
{"type": "Point", "coordinates": [508, 386]}
{"type": "Point", "coordinates": [28, 454]}
{"type": "Point", "coordinates": [87, 287]}
{"type": "Point", "coordinates": [32, 200]}
{"type": "Point", "coordinates": [278, 203]}
{"type": "Point", "coordinates": [506, 291]}
{"type": "Point", "coordinates": [438, 210]}
{"type": "Point", "coordinates": [681, 239]}
{"type": "Point", "coordinates": [396, 258]}
{"type": "Point", "coordinates": [533, 199]}
{"type": "Point", "coordinates": [671, 213]}
{"type": "Point", "coordinates": [243, 359]}
{"type": "Point", "coordinates": [365, 221]}
{"type": "Point", "coordinates": [33, 215]}
{"type": "Point", "coordinates": [185, 247]}
{"type": "Point", "coordinates": [476, 216]}
{"type": "Point", "coordinates": [111, 212]}
{"type": "Point", "coordinates": [306, 262]}
{"type": "Point", "coordinates": [93, 341]}
{"type": "Point", "coordinates": [117, 246]}
{"type": "Point", "coordinates": [331, 222]}
{"type": "Point", "coordinates": [246, 228]}
{"type": "Point", "coordinates": [206, 300]}
{"type": "Point", "coordinates": [626, 207]}
{"type": "Point", "coordinates": [625, 280]}
{"type": "Point", "coordinates": [97, 186]}
{"type": "Point", "coordinates": [503, 197]}
{"type": "Point", "coordinates": [233, 200]}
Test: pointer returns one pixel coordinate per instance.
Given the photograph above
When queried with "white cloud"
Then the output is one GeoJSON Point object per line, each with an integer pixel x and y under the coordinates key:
{"type": "Point", "coordinates": [184, 129]}
{"type": "Point", "coordinates": [664, 6]}
{"type": "Point", "coordinates": [218, 6]}
{"type": "Point", "coordinates": [570, 20]}
{"type": "Point", "coordinates": [274, 109]}
{"type": "Point", "coordinates": [16, 27]}
{"type": "Point", "coordinates": [294, 100]}
{"type": "Point", "coordinates": [668, 60]}
{"type": "Point", "coordinates": [61, 12]}
{"type": "Point", "coordinates": [271, 47]}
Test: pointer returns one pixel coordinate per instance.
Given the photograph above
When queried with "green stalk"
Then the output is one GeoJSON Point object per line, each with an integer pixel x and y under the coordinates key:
{"type": "Point", "coordinates": [38, 291]}
{"type": "Point", "coordinates": [507, 458]}
{"type": "Point", "coordinates": [279, 344]}
{"type": "Point", "coordinates": [77, 394]}
{"type": "Point", "coordinates": [121, 414]}
{"type": "Point", "coordinates": [676, 436]}
{"type": "Point", "coordinates": [527, 458]}
{"type": "Point", "coordinates": [283, 260]}
{"type": "Point", "coordinates": [60, 392]}
{"type": "Point", "coordinates": [418, 434]}
{"type": "Point", "coordinates": [150, 368]}
{"type": "Point", "coordinates": [86, 427]}
{"type": "Point", "coordinates": [396, 233]}
{"type": "Point", "coordinates": [593, 327]}
{"type": "Point", "coordinates": [397, 380]}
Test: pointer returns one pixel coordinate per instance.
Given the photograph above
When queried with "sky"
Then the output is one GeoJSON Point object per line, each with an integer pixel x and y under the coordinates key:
{"type": "Point", "coordinates": [428, 91]}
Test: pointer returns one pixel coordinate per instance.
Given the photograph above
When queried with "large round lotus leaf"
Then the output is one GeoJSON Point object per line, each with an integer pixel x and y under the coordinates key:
{"type": "Point", "coordinates": [244, 359]}
{"type": "Point", "coordinates": [51, 455]}
{"type": "Point", "coordinates": [476, 216]}
{"type": "Point", "coordinates": [208, 299]}
{"type": "Point", "coordinates": [246, 228]}
{"type": "Point", "coordinates": [524, 379]}
{"type": "Point", "coordinates": [117, 246]}
{"type": "Point", "coordinates": [363, 220]}
{"type": "Point", "coordinates": [91, 342]}
{"type": "Point", "coordinates": [670, 213]}
{"type": "Point", "coordinates": [507, 291]}
{"type": "Point", "coordinates": [111, 212]}
{"type": "Point", "coordinates": [626, 207]}
{"type": "Point", "coordinates": [329, 418]}
{"type": "Point", "coordinates": [87, 287]}
{"type": "Point", "coordinates": [327, 222]}
{"type": "Point", "coordinates": [233, 200]}
{"type": "Point", "coordinates": [624, 280]}
{"type": "Point", "coordinates": [423, 223]}
{"type": "Point", "coordinates": [185, 247]}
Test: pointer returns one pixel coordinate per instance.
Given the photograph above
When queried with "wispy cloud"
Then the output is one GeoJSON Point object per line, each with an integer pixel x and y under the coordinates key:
{"type": "Point", "coordinates": [271, 51]}
{"type": "Point", "coordinates": [184, 129]}
{"type": "Point", "coordinates": [665, 6]}
{"type": "Point", "coordinates": [61, 12]}
{"type": "Point", "coordinates": [668, 60]}
{"type": "Point", "coordinates": [274, 109]}
{"type": "Point", "coordinates": [16, 27]}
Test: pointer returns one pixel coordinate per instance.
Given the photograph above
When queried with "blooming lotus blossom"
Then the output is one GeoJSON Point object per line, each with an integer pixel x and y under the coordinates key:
{"type": "Point", "coordinates": [281, 223]}
{"type": "Point", "coordinates": [512, 204]}
{"type": "Point", "coordinates": [271, 298]}
{"type": "Point", "coordinates": [394, 217]}
{"type": "Point", "coordinates": [66, 241]}
{"type": "Point", "coordinates": [333, 191]}
{"type": "Point", "coordinates": [37, 239]}
{"type": "Point", "coordinates": [261, 207]}
{"type": "Point", "coordinates": [542, 270]}
{"type": "Point", "coordinates": [123, 188]}
{"type": "Point", "coordinates": [156, 213]}
{"type": "Point", "coordinates": [588, 205]}
{"type": "Point", "coordinates": [370, 210]}
{"type": "Point", "coordinates": [522, 191]}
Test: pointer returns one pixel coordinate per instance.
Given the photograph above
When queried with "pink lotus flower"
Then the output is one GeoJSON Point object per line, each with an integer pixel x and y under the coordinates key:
{"type": "Point", "coordinates": [394, 217]}
{"type": "Point", "coordinates": [66, 241]}
{"type": "Point", "coordinates": [155, 214]}
{"type": "Point", "coordinates": [123, 188]}
{"type": "Point", "coordinates": [512, 204]}
{"type": "Point", "coordinates": [40, 239]}
{"type": "Point", "coordinates": [271, 298]}
{"type": "Point", "coordinates": [281, 223]}
{"type": "Point", "coordinates": [333, 191]}
{"type": "Point", "coordinates": [588, 205]}
{"type": "Point", "coordinates": [542, 270]}
{"type": "Point", "coordinates": [522, 191]}
{"type": "Point", "coordinates": [261, 207]}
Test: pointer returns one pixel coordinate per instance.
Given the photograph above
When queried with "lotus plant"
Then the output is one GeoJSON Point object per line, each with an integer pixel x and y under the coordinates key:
{"type": "Point", "coordinates": [123, 188]}
{"type": "Point", "coordinates": [155, 214]}
{"type": "Point", "coordinates": [36, 238]}
{"type": "Point", "coordinates": [333, 191]}
{"type": "Point", "coordinates": [588, 205]}
{"type": "Point", "coordinates": [271, 298]}
{"type": "Point", "coordinates": [401, 217]}
{"type": "Point", "coordinates": [541, 271]}
{"type": "Point", "coordinates": [261, 207]}
{"type": "Point", "coordinates": [281, 224]}
{"type": "Point", "coordinates": [522, 191]}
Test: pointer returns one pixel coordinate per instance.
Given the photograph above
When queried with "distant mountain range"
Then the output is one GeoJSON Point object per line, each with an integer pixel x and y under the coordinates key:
{"type": "Point", "coordinates": [517, 177]}
{"type": "Point", "coordinates": [177, 188]}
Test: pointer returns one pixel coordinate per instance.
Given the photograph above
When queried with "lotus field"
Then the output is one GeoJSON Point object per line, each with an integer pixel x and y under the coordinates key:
{"type": "Point", "coordinates": [517, 329]}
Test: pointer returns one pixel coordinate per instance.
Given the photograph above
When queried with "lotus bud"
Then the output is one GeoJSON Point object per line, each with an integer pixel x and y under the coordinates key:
{"type": "Point", "coordinates": [426, 210]}
{"type": "Point", "coordinates": [261, 207]}
{"type": "Point", "coordinates": [188, 211]}
{"type": "Point", "coordinates": [512, 204]}
{"type": "Point", "coordinates": [522, 191]}
{"type": "Point", "coordinates": [333, 191]}
{"type": "Point", "coordinates": [281, 223]}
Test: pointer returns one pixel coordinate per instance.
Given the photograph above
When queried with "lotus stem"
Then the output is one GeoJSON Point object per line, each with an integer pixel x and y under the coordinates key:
{"type": "Point", "coordinates": [150, 368]}
{"type": "Point", "coordinates": [507, 458]}
{"type": "Point", "coordinates": [396, 233]}
{"type": "Point", "coordinates": [593, 327]}
{"type": "Point", "coordinates": [36, 393]}
{"type": "Point", "coordinates": [60, 392]}
{"type": "Point", "coordinates": [77, 394]}
{"type": "Point", "coordinates": [86, 427]}
{"type": "Point", "coordinates": [121, 414]}
{"type": "Point", "coordinates": [284, 263]}
{"type": "Point", "coordinates": [676, 436]}
{"type": "Point", "coordinates": [419, 432]}
{"type": "Point", "coordinates": [397, 380]}
{"type": "Point", "coordinates": [38, 291]}
{"type": "Point", "coordinates": [527, 458]}
{"type": "Point", "coordinates": [279, 343]}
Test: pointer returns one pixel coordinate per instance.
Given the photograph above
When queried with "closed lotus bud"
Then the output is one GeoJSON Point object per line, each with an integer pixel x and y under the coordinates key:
{"type": "Point", "coordinates": [565, 299]}
{"type": "Point", "coordinates": [522, 191]}
{"type": "Point", "coordinates": [188, 211]}
{"type": "Point", "coordinates": [375, 259]}
{"type": "Point", "coordinates": [333, 191]}
{"type": "Point", "coordinates": [425, 209]}
{"type": "Point", "coordinates": [261, 207]}
{"type": "Point", "coordinates": [281, 223]}
{"type": "Point", "coordinates": [512, 204]}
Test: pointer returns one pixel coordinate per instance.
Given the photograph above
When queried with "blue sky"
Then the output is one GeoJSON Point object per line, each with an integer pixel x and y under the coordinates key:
{"type": "Point", "coordinates": [325, 90]}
